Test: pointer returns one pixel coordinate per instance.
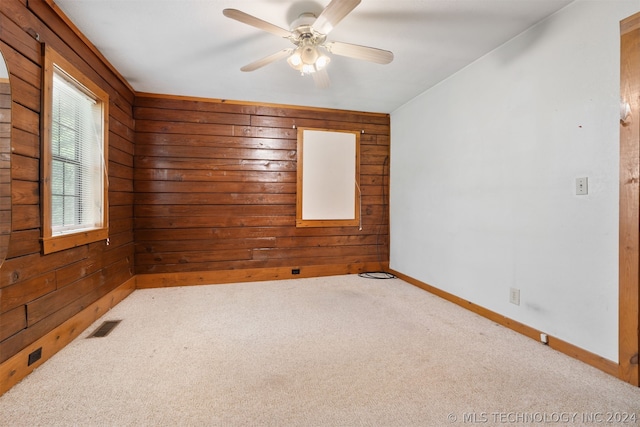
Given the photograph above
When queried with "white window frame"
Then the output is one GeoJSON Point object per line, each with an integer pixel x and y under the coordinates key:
{"type": "Point", "coordinates": [57, 237]}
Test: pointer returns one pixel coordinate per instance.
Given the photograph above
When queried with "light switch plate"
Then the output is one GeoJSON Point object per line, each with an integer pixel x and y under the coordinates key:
{"type": "Point", "coordinates": [582, 186]}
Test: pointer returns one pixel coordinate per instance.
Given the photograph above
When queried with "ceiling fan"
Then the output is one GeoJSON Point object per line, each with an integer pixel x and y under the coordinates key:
{"type": "Point", "coordinates": [309, 35]}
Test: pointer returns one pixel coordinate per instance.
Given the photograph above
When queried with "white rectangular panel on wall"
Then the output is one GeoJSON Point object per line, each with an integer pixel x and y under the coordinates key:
{"type": "Point", "coordinates": [328, 178]}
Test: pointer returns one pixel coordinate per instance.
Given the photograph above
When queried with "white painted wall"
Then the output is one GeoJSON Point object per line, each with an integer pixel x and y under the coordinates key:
{"type": "Point", "coordinates": [483, 170]}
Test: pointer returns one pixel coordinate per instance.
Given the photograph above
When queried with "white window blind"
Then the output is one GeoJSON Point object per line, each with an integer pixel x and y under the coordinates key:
{"type": "Point", "coordinates": [77, 164]}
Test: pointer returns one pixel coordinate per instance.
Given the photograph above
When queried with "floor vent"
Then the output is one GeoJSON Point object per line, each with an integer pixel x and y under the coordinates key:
{"type": "Point", "coordinates": [104, 329]}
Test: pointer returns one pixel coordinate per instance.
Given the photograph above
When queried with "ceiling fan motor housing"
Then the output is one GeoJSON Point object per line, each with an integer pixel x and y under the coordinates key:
{"type": "Point", "coordinates": [302, 30]}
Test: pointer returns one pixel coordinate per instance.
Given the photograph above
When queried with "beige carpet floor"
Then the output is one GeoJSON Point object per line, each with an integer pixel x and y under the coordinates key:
{"type": "Point", "coordinates": [334, 351]}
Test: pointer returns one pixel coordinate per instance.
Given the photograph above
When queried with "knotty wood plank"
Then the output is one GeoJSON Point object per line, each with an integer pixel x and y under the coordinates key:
{"type": "Point", "coordinates": [219, 141]}
{"type": "Point", "coordinates": [118, 128]}
{"type": "Point", "coordinates": [118, 170]}
{"type": "Point", "coordinates": [21, 293]}
{"type": "Point", "coordinates": [120, 212]}
{"type": "Point", "coordinates": [25, 94]}
{"type": "Point", "coordinates": [25, 192]}
{"type": "Point", "coordinates": [21, 67]}
{"type": "Point", "coordinates": [25, 168]}
{"type": "Point", "coordinates": [629, 240]}
{"type": "Point", "coordinates": [309, 252]}
{"type": "Point", "coordinates": [192, 116]}
{"type": "Point", "coordinates": [23, 243]}
{"type": "Point", "coordinates": [265, 132]}
{"type": "Point", "coordinates": [214, 187]}
{"type": "Point", "coordinates": [25, 143]}
{"type": "Point", "coordinates": [122, 238]}
{"type": "Point", "coordinates": [13, 35]}
{"type": "Point", "coordinates": [120, 157]}
{"type": "Point", "coordinates": [120, 198]}
{"type": "Point", "coordinates": [215, 221]}
{"type": "Point", "coordinates": [25, 119]}
{"type": "Point", "coordinates": [120, 225]}
{"type": "Point", "coordinates": [191, 104]}
{"type": "Point", "coordinates": [25, 217]}
{"type": "Point", "coordinates": [143, 161]}
{"type": "Point", "coordinates": [11, 322]}
{"type": "Point", "coordinates": [290, 122]}
{"type": "Point", "coordinates": [209, 245]}
{"type": "Point", "coordinates": [120, 255]}
{"type": "Point", "coordinates": [210, 198]}
{"type": "Point", "coordinates": [194, 257]}
{"type": "Point", "coordinates": [180, 211]}
{"type": "Point", "coordinates": [76, 271]}
{"type": "Point", "coordinates": [204, 175]}
{"type": "Point", "coordinates": [174, 151]}
{"type": "Point", "coordinates": [43, 307]}
{"type": "Point", "coordinates": [328, 114]}
{"type": "Point", "coordinates": [330, 241]}
{"type": "Point", "coordinates": [120, 184]}
{"type": "Point", "coordinates": [120, 143]}
{"type": "Point", "coordinates": [122, 115]}
{"type": "Point", "coordinates": [18, 269]}
{"type": "Point", "coordinates": [184, 128]}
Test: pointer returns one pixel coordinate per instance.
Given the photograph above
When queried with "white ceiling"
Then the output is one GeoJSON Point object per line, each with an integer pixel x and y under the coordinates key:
{"type": "Point", "coordinates": [187, 47]}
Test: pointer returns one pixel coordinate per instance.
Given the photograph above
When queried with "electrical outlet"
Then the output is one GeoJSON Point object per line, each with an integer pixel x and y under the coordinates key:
{"type": "Point", "coordinates": [514, 296]}
{"type": "Point", "coordinates": [544, 339]}
{"type": "Point", "coordinates": [582, 186]}
{"type": "Point", "coordinates": [295, 271]}
{"type": "Point", "coordinates": [34, 356]}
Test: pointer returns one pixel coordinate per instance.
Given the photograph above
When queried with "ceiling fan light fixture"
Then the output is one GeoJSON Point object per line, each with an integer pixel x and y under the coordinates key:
{"type": "Point", "coordinates": [295, 60]}
{"type": "Point", "coordinates": [322, 62]}
{"type": "Point", "coordinates": [309, 35]}
{"type": "Point", "coordinates": [308, 59]}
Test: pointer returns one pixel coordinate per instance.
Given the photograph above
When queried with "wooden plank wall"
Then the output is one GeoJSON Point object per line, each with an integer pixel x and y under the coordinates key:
{"type": "Point", "coordinates": [5, 161]}
{"type": "Point", "coordinates": [215, 186]}
{"type": "Point", "coordinates": [38, 293]}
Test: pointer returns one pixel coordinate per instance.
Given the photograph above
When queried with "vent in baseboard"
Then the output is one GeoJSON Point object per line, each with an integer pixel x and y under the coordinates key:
{"type": "Point", "coordinates": [104, 329]}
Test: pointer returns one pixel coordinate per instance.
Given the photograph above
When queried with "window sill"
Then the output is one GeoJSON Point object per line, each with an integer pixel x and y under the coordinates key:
{"type": "Point", "coordinates": [66, 241]}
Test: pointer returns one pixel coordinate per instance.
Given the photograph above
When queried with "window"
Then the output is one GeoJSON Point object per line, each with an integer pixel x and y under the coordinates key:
{"type": "Point", "coordinates": [74, 199]}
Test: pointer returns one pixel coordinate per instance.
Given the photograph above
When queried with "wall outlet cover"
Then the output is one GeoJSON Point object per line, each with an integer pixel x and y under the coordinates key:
{"type": "Point", "coordinates": [514, 296]}
{"type": "Point", "coordinates": [582, 186]}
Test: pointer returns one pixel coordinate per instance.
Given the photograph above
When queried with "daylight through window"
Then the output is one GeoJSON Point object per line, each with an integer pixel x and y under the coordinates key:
{"type": "Point", "coordinates": [75, 158]}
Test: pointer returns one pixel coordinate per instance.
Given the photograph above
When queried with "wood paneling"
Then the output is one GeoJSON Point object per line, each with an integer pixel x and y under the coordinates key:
{"type": "Point", "coordinates": [215, 188]}
{"type": "Point", "coordinates": [161, 280]}
{"type": "Point", "coordinates": [16, 368]}
{"type": "Point", "coordinates": [629, 252]}
{"type": "Point", "coordinates": [38, 293]}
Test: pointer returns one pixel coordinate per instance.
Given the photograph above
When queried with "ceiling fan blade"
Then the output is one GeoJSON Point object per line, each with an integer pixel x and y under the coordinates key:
{"type": "Point", "coordinates": [333, 14]}
{"type": "Point", "coordinates": [321, 79]}
{"type": "Point", "coordinates": [360, 52]}
{"type": "Point", "coordinates": [267, 60]}
{"type": "Point", "coordinates": [245, 18]}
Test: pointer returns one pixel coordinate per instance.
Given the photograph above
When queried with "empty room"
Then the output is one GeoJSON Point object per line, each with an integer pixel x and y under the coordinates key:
{"type": "Point", "coordinates": [319, 213]}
